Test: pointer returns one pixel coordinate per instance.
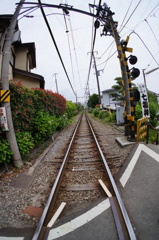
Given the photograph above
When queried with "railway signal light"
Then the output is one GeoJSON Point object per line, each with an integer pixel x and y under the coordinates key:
{"type": "Point", "coordinates": [96, 24]}
{"type": "Point", "coordinates": [135, 72]}
{"type": "Point", "coordinates": [132, 59]}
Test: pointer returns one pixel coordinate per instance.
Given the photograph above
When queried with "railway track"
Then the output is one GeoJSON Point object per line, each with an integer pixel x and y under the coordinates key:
{"type": "Point", "coordinates": [84, 175]}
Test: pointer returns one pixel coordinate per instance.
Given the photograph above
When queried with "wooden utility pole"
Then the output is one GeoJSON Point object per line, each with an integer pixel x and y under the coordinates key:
{"type": "Point", "coordinates": [4, 85]}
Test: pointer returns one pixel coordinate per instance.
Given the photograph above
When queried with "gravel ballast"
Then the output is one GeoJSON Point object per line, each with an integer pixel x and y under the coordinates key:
{"type": "Point", "coordinates": [30, 186]}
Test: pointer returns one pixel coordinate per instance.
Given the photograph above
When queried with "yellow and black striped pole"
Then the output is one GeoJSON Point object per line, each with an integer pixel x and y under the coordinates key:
{"type": "Point", "coordinates": [4, 96]}
{"type": "Point", "coordinates": [126, 82]}
{"type": "Point", "coordinates": [129, 118]}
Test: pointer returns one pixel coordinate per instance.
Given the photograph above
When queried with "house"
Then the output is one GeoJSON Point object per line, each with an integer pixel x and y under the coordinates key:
{"type": "Point", "coordinates": [22, 57]}
{"type": "Point", "coordinates": [108, 100]}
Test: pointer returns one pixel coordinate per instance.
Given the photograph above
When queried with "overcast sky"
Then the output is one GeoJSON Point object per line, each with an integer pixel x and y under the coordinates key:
{"type": "Point", "coordinates": [141, 19]}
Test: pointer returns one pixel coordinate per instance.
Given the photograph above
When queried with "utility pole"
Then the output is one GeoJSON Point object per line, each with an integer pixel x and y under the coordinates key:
{"type": "Point", "coordinates": [96, 72]}
{"type": "Point", "coordinates": [56, 82]}
{"type": "Point", "coordinates": [4, 85]}
{"type": "Point", "coordinates": [143, 71]}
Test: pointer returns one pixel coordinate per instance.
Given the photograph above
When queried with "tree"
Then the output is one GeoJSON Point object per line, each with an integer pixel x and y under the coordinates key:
{"type": "Point", "coordinates": [153, 107]}
{"type": "Point", "coordinates": [93, 100]}
{"type": "Point", "coordinates": [118, 94]}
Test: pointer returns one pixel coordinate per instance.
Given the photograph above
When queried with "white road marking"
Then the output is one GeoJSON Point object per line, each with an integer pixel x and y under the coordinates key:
{"type": "Point", "coordinates": [134, 160]}
{"type": "Point", "coordinates": [79, 221]}
{"type": "Point", "coordinates": [11, 238]}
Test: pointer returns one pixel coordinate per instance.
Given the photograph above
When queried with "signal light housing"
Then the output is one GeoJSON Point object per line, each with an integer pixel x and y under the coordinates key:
{"type": "Point", "coordinates": [135, 72]}
{"type": "Point", "coordinates": [132, 59]}
{"type": "Point", "coordinates": [96, 24]}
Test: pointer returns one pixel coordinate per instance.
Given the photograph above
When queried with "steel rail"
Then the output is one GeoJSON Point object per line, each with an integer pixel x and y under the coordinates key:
{"type": "Point", "coordinates": [115, 189]}
{"type": "Point", "coordinates": [52, 196]}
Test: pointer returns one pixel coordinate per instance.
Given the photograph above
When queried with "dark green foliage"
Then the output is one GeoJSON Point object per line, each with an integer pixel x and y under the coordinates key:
{"type": "Point", "coordinates": [5, 153]}
{"type": "Point", "coordinates": [70, 109]}
{"type": "Point", "coordinates": [25, 142]}
{"type": "Point", "coordinates": [103, 114]}
{"type": "Point", "coordinates": [93, 100]}
{"type": "Point", "coordinates": [44, 126]}
{"type": "Point", "coordinates": [36, 115]}
{"type": "Point", "coordinates": [96, 112]}
{"type": "Point", "coordinates": [153, 106]}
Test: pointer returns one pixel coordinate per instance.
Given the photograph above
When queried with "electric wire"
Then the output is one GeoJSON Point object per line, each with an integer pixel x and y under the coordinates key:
{"type": "Point", "coordinates": [92, 46]}
{"type": "Point", "coordinates": [92, 37]}
{"type": "Point", "coordinates": [90, 63]}
{"type": "Point", "coordinates": [125, 15]}
{"type": "Point", "coordinates": [74, 48]}
{"type": "Point", "coordinates": [33, 9]}
{"type": "Point", "coordinates": [119, 31]}
{"type": "Point", "coordinates": [131, 15]}
{"type": "Point", "coordinates": [107, 48]}
{"type": "Point", "coordinates": [145, 46]}
{"type": "Point", "coordinates": [152, 10]}
{"type": "Point", "coordinates": [43, 13]}
{"type": "Point", "coordinates": [108, 58]}
{"type": "Point", "coordinates": [147, 16]}
{"type": "Point", "coordinates": [152, 59]}
{"type": "Point", "coordinates": [69, 46]}
{"type": "Point", "coordinates": [152, 31]}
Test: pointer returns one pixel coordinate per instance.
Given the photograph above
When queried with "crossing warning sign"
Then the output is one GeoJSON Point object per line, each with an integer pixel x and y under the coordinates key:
{"type": "Point", "coordinates": [4, 95]}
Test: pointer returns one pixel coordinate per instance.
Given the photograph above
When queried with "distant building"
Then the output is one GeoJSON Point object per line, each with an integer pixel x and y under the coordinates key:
{"type": "Point", "coordinates": [108, 100]}
{"type": "Point", "coordinates": [22, 57]}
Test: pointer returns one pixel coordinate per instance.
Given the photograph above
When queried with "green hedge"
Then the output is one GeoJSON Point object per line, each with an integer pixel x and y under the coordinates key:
{"type": "Point", "coordinates": [36, 113]}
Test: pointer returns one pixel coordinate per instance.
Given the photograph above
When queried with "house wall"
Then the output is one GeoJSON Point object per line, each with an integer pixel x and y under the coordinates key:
{"type": "Point", "coordinates": [106, 99]}
{"type": "Point", "coordinates": [26, 81]}
{"type": "Point", "coordinates": [21, 59]}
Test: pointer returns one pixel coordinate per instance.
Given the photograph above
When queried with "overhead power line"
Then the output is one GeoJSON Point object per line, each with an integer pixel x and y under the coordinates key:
{"type": "Point", "coordinates": [152, 10]}
{"type": "Point", "coordinates": [43, 13]}
{"type": "Point", "coordinates": [92, 48]}
{"type": "Point", "coordinates": [131, 14]}
{"type": "Point", "coordinates": [126, 15]}
{"type": "Point", "coordinates": [69, 46]}
{"type": "Point", "coordinates": [74, 48]}
{"type": "Point", "coordinates": [152, 31]}
{"type": "Point", "coordinates": [145, 46]}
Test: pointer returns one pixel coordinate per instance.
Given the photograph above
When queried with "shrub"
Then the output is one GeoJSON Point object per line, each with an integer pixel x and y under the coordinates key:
{"type": "Point", "coordinates": [111, 117]}
{"type": "Point", "coordinates": [5, 153]}
{"type": "Point", "coordinates": [44, 126]}
{"type": "Point", "coordinates": [22, 107]}
{"type": "Point", "coordinates": [153, 113]}
{"type": "Point", "coordinates": [138, 112]}
{"type": "Point", "coordinates": [90, 110]}
{"type": "Point", "coordinates": [96, 112]}
{"type": "Point", "coordinates": [53, 103]}
{"type": "Point", "coordinates": [70, 109]}
{"type": "Point", "coordinates": [25, 142]}
{"type": "Point", "coordinates": [103, 114]}
{"type": "Point", "coordinates": [62, 121]}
